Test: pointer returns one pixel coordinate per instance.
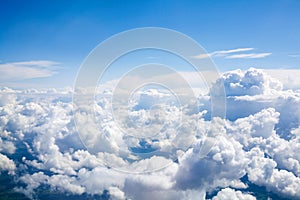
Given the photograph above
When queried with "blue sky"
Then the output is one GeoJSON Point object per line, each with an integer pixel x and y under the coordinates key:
{"type": "Point", "coordinates": [64, 32]}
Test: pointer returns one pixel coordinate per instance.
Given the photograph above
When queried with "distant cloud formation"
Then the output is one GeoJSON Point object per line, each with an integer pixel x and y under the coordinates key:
{"type": "Point", "coordinates": [249, 55]}
{"type": "Point", "coordinates": [27, 70]}
{"type": "Point", "coordinates": [231, 54]}
{"type": "Point", "coordinates": [258, 142]}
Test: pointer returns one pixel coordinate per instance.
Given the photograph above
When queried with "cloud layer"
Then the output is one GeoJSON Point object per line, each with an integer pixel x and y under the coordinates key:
{"type": "Point", "coordinates": [258, 141]}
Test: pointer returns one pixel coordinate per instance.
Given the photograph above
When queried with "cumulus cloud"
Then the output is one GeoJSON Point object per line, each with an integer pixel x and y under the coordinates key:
{"type": "Point", "coordinates": [251, 82]}
{"type": "Point", "coordinates": [230, 194]}
{"type": "Point", "coordinates": [253, 90]}
{"type": "Point", "coordinates": [224, 163]}
{"type": "Point", "coordinates": [259, 140]}
{"type": "Point", "coordinates": [262, 171]}
{"type": "Point", "coordinates": [7, 164]}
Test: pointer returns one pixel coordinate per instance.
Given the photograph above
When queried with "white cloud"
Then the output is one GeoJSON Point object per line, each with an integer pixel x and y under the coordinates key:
{"type": "Point", "coordinates": [7, 146]}
{"type": "Point", "coordinates": [7, 164]}
{"type": "Point", "coordinates": [250, 82]}
{"type": "Point", "coordinates": [288, 77]}
{"type": "Point", "coordinates": [259, 139]}
{"type": "Point", "coordinates": [233, 50]}
{"type": "Point", "coordinates": [249, 55]}
{"type": "Point", "coordinates": [263, 172]}
{"type": "Point", "coordinates": [231, 54]}
{"type": "Point", "coordinates": [225, 162]}
{"type": "Point", "coordinates": [36, 63]}
{"type": "Point", "coordinates": [230, 194]}
{"type": "Point", "coordinates": [27, 70]}
{"type": "Point", "coordinates": [221, 53]}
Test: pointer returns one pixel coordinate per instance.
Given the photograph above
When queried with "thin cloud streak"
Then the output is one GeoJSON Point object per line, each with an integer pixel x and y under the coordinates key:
{"type": "Point", "coordinates": [249, 55]}
{"type": "Point", "coordinates": [36, 63]}
{"type": "Point", "coordinates": [233, 50]}
{"type": "Point", "coordinates": [27, 70]}
{"type": "Point", "coordinates": [221, 53]}
{"type": "Point", "coordinates": [230, 54]}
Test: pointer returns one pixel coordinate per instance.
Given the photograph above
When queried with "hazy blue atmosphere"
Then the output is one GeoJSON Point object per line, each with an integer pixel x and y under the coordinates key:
{"type": "Point", "coordinates": [65, 32]}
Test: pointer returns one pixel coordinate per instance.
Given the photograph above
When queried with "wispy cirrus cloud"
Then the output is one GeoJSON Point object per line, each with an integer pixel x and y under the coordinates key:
{"type": "Point", "coordinates": [232, 53]}
{"type": "Point", "coordinates": [249, 55]}
{"type": "Point", "coordinates": [27, 70]}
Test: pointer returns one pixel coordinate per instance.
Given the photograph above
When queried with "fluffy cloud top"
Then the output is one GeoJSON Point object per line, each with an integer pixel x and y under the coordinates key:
{"type": "Point", "coordinates": [252, 82]}
{"type": "Point", "coordinates": [230, 194]}
{"type": "Point", "coordinates": [7, 164]}
{"type": "Point", "coordinates": [259, 140]}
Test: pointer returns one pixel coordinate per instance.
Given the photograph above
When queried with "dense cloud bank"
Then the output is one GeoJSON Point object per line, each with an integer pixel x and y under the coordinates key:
{"type": "Point", "coordinates": [259, 140]}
